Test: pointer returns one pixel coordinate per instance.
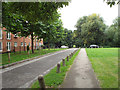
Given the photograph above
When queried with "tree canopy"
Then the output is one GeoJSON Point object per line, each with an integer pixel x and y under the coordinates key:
{"type": "Point", "coordinates": [36, 11]}
{"type": "Point", "coordinates": [112, 2]}
{"type": "Point", "coordinates": [41, 19]}
{"type": "Point", "coordinates": [112, 34]}
{"type": "Point", "coordinates": [90, 30]}
{"type": "Point", "coordinates": [31, 18]}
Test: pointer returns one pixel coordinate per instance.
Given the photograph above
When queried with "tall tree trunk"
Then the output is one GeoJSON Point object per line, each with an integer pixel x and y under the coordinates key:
{"type": "Point", "coordinates": [32, 42]}
{"type": "Point", "coordinates": [48, 45]}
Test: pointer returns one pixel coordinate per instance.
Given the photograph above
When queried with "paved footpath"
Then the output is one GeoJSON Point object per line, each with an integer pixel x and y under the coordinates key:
{"type": "Point", "coordinates": [81, 74]}
{"type": "Point", "coordinates": [22, 75]}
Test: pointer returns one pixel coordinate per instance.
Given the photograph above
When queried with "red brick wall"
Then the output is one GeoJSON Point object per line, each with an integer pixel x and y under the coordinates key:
{"type": "Point", "coordinates": [4, 41]}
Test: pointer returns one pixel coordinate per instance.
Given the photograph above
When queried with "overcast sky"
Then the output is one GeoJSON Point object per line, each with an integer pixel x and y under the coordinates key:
{"type": "Point", "coordinates": [78, 8]}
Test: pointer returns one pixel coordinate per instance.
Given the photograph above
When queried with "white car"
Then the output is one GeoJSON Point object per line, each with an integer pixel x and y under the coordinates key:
{"type": "Point", "coordinates": [64, 46]}
{"type": "Point", "coordinates": [94, 46]}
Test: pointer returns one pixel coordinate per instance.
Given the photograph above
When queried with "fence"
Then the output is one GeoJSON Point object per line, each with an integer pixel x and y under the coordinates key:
{"type": "Point", "coordinates": [18, 48]}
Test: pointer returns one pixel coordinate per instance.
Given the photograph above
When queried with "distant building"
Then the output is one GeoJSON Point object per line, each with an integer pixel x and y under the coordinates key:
{"type": "Point", "coordinates": [10, 42]}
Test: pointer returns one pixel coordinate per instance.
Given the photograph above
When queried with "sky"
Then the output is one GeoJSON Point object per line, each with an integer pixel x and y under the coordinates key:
{"type": "Point", "coordinates": [79, 8]}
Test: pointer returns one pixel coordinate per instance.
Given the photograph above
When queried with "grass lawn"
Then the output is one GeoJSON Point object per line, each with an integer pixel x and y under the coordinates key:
{"type": "Point", "coordinates": [23, 55]}
{"type": "Point", "coordinates": [105, 64]}
{"type": "Point", "coordinates": [53, 79]}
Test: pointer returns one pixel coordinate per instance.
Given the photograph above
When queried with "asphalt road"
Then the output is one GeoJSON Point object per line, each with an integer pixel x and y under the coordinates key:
{"type": "Point", "coordinates": [22, 76]}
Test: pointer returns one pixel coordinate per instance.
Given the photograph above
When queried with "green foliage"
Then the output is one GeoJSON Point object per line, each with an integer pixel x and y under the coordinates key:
{"type": "Point", "coordinates": [105, 64]}
{"type": "Point", "coordinates": [67, 38]}
{"type": "Point", "coordinates": [15, 15]}
{"type": "Point", "coordinates": [112, 2]}
{"type": "Point", "coordinates": [11, 21]}
{"type": "Point", "coordinates": [89, 30]}
{"type": "Point", "coordinates": [32, 18]}
{"type": "Point", "coordinates": [92, 30]}
{"type": "Point", "coordinates": [42, 45]}
{"type": "Point", "coordinates": [36, 11]}
{"type": "Point", "coordinates": [44, 22]}
{"type": "Point", "coordinates": [59, 33]}
{"type": "Point", "coordinates": [50, 34]}
{"type": "Point", "coordinates": [54, 34]}
{"type": "Point", "coordinates": [112, 34]}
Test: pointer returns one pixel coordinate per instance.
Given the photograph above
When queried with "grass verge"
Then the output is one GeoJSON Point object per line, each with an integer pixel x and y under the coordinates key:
{"type": "Point", "coordinates": [105, 64]}
{"type": "Point", "coordinates": [17, 56]}
{"type": "Point", "coordinates": [53, 79]}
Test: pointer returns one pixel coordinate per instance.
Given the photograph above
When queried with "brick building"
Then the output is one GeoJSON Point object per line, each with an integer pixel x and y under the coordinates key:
{"type": "Point", "coordinates": [10, 42]}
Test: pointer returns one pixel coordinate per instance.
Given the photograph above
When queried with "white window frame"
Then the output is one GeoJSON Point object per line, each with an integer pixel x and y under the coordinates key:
{"type": "Point", "coordinates": [8, 35]}
{"type": "Point", "coordinates": [25, 44]}
{"type": "Point", "coordinates": [1, 33]}
{"type": "Point", "coordinates": [36, 43]}
{"type": "Point", "coordinates": [15, 44]}
{"type": "Point", "coordinates": [22, 44]}
{"type": "Point", "coordinates": [8, 46]}
{"type": "Point", "coordinates": [29, 44]}
{"type": "Point", "coordinates": [1, 47]}
{"type": "Point", "coordinates": [40, 44]}
{"type": "Point", "coordinates": [15, 35]}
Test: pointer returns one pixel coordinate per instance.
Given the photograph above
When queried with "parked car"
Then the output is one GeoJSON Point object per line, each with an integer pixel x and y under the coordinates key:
{"type": "Point", "coordinates": [64, 46]}
{"type": "Point", "coordinates": [94, 46]}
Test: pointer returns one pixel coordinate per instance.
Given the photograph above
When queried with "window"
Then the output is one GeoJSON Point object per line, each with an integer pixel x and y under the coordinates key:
{"type": "Point", "coordinates": [15, 35]}
{"type": "Point", "coordinates": [25, 44]}
{"type": "Point", "coordinates": [36, 43]}
{"type": "Point", "coordinates": [39, 43]}
{"type": "Point", "coordinates": [15, 44]}
{"type": "Point", "coordinates": [21, 43]}
{"type": "Point", "coordinates": [29, 36]}
{"type": "Point", "coordinates": [0, 33]}
{"type": "Point", "coordinates": [0, 46]}
{"type": "Point", "coordinates": [8, 46]}
{"type": "Point", "coordinates": [8, 35]}
{"type": "Point", "coordinates": [29, 43]}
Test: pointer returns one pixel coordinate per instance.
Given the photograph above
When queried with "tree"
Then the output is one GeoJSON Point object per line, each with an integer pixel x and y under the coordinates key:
{"type": "Point", "coordinates": [50, 34]}
{"type": "Point", "coordinates": [112, 2]}
{"type": "Point", "coordinates": [68, 38]}
{"type": "Point", "coordinates": [37, 11]}
{"type": "Point", "coordinates": [78, 38]}
{"type": "Point", "coordinates": [90, 30]}
{"type": "Point", "coordinates": [109, 36]}
{"type": "Point", "coordinates": [59, 33]}
{"type": "Point", "coordinates": [53, 34]}
{"type": "Point", "coordinates": [16, 13]}
{"type": "Point", "coordinates": [17, 24]}
{"type": "Point", "coordinates": [112, 34]}
{"type": "Point", "coordinates": [33, 30]}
